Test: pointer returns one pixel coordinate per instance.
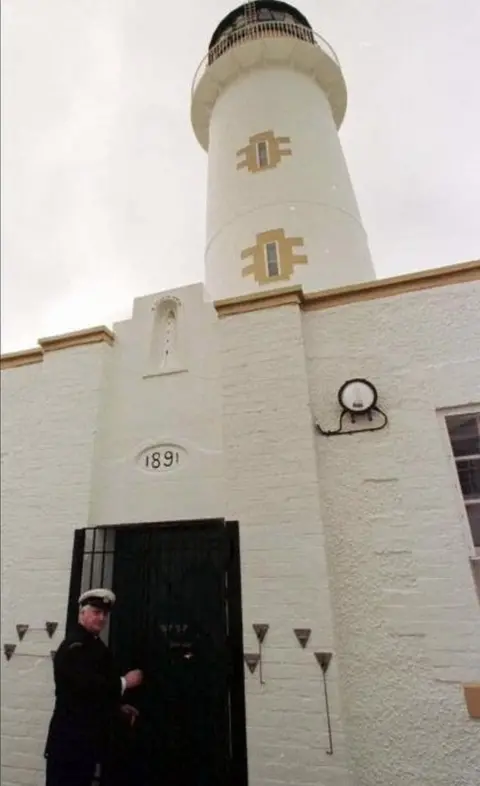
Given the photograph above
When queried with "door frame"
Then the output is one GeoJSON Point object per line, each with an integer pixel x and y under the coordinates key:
{"type": "Point", "coordinates": [238, 731]}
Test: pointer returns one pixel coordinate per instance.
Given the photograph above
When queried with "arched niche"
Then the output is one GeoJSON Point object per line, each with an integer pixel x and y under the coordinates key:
{"type": "Point", "coordinates": [166, 344]}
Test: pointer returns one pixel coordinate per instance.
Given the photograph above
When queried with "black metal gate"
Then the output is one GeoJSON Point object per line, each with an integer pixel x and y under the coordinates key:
{"type": "Point", "coordinates": [178, 617]}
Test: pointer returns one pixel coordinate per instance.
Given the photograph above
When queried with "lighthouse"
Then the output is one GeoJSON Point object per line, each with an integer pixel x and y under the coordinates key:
{"type": "Point", "coordinates": [267, 105]}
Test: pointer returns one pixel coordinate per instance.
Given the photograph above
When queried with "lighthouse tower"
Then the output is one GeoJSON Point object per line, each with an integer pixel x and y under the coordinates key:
{"type": "Point", "coordinates": [267, 104]}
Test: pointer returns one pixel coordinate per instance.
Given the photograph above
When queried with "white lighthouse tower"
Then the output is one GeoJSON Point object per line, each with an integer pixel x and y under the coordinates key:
{"type": "Point", "coordinates": [267, 103]}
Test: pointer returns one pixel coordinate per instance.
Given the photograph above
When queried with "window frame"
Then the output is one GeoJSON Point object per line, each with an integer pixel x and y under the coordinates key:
{"type": "Point", "coordinates": [463, 503]}
{"type": "Point", "coordinates": [273, 243]}
{"type": "Point", "coordinates": [264, 144]}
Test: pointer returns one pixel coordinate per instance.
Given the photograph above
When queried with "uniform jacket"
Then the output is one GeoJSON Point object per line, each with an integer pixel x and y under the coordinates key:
{"type": "Point", "coordinates": [87, 698]}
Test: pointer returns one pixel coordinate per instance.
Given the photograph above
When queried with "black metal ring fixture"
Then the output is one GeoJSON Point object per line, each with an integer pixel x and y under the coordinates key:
{"type": "Point", "coordinates": [363, 404]}
{"type": "Point", "coordinates": [361, 408]}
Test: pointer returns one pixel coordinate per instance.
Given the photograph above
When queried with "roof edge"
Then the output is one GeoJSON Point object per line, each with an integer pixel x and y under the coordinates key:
{"type": "Point", "coordinates": [78, 338]}
{"type": "Point", "coordinates": [354, 293]}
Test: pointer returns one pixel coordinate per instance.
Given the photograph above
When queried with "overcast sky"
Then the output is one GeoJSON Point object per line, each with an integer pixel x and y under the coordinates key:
{"type": "Point", "coordinates": [99, 158]}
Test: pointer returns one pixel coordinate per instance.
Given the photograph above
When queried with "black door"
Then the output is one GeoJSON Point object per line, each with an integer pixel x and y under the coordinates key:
{"type": "Point", "coordinates": [178, 617]}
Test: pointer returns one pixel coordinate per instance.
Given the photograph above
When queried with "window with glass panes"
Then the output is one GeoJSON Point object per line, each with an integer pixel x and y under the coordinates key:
{"type": "Point", "coordinates": [464, 432]}
{"type": "Point", "coordinates": [271, 253]}
{"type": "Point", "coordinates": [262, 154]}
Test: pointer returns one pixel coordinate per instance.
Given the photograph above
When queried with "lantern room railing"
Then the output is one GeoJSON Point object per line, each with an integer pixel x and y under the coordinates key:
{"type": "Point", "coordinates": [259, 30]}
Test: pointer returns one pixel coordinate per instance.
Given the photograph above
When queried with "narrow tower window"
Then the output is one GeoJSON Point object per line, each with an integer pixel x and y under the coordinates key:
{"type": "Point", "coordinates": [264, 151]}
{"type": "Point", "coordinates": [273, 256]}
{"type": "Point", "coordinates": [271, 253]}
{"type": "Point", "coordinates": [262, 155]}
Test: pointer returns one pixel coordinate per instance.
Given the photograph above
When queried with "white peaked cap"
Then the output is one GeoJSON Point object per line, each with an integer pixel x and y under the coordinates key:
{"type": "Point", "coordinates": [103, 598]}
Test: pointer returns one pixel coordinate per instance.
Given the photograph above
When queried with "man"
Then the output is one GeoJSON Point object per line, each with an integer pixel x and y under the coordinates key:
{"type": "Point", "coordinates": [88, 692]}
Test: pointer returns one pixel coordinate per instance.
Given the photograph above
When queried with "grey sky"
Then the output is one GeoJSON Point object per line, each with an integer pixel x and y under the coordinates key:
{"type": "Point", "coordinates": [104, 183]}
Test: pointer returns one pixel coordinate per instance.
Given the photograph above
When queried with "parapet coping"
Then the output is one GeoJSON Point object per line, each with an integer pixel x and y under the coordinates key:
{"type": "Point", "coordinates": [311, 301]}
{"type": "Point", "coordinates": [79, 338]}
{"type": "Point", "coordinates": [355, 293]}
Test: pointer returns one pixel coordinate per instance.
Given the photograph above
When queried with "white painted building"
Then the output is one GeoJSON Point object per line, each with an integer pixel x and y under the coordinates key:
{"type": "Point", "coordinates": [219, 403]}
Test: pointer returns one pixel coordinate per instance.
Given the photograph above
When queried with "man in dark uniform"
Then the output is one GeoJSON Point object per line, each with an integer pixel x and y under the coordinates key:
{"type": "Point", "coordinates": [88, 696]}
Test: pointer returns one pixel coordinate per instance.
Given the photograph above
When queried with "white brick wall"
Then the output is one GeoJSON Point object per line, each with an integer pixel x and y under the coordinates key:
{"type": "Point", "coordinates": [140, 410]}
{"type": "Point", "coordinates": [49, 421]}
{"type": "Point", "coordinates": [407, 617]}
{"type": "Point", "coordinates": [360, 538]}
{"type": "Point", "coordinates": [72, 428]}
{"type": "Point", "coordinates": [272, 489]}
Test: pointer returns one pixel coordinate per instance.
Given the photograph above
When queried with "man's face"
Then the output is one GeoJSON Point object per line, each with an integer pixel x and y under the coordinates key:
{"type": "Point", "coordinates": [93, 619]}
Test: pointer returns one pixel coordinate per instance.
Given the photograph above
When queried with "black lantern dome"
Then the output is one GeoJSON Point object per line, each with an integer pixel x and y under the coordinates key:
{"type": "Point", "coordinates": [266, 16]}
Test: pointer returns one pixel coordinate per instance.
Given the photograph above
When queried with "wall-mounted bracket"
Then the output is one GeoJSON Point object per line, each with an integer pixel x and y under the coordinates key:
{"type": "Point", "coordinates": [377, 426]}
{"type": "Point", "coordinates": [21, 631]}
{"type": "Point", "coordinates": [251, 659]}
{"type": "Point", "coordinates": [51, 627]}
{"type": "Point", "coordinates": [9, 649]}
{"type": "Point", "coordinates": [323, 659]}
{"type": "Point", "coordinates": [261, 629]}
{"type": "Point", "coordinates": [303, 636]}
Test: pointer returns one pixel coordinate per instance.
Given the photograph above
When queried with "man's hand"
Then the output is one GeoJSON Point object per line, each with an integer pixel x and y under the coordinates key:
{"type": "Point", "coordinates": [131, 713]}
{"type": "Point", "coordinates": [133, 678]}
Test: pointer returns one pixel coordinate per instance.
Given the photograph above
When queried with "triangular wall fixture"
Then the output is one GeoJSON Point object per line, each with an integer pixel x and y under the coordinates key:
{"type": "Point", "coordinates": [9, 649]}
{"type": "Point", "coordinates": [303, 636]}
{"type": "Point", "coordinates": [21, 631]}
{"type": "Point", "coordinates": [261, 630]}
{"type": "Point", "coordinates": [51, 627]}
{"type": "Point", "coordinates": [251, 659]}
{"type": "Point", "coordinates": [323, 659]}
